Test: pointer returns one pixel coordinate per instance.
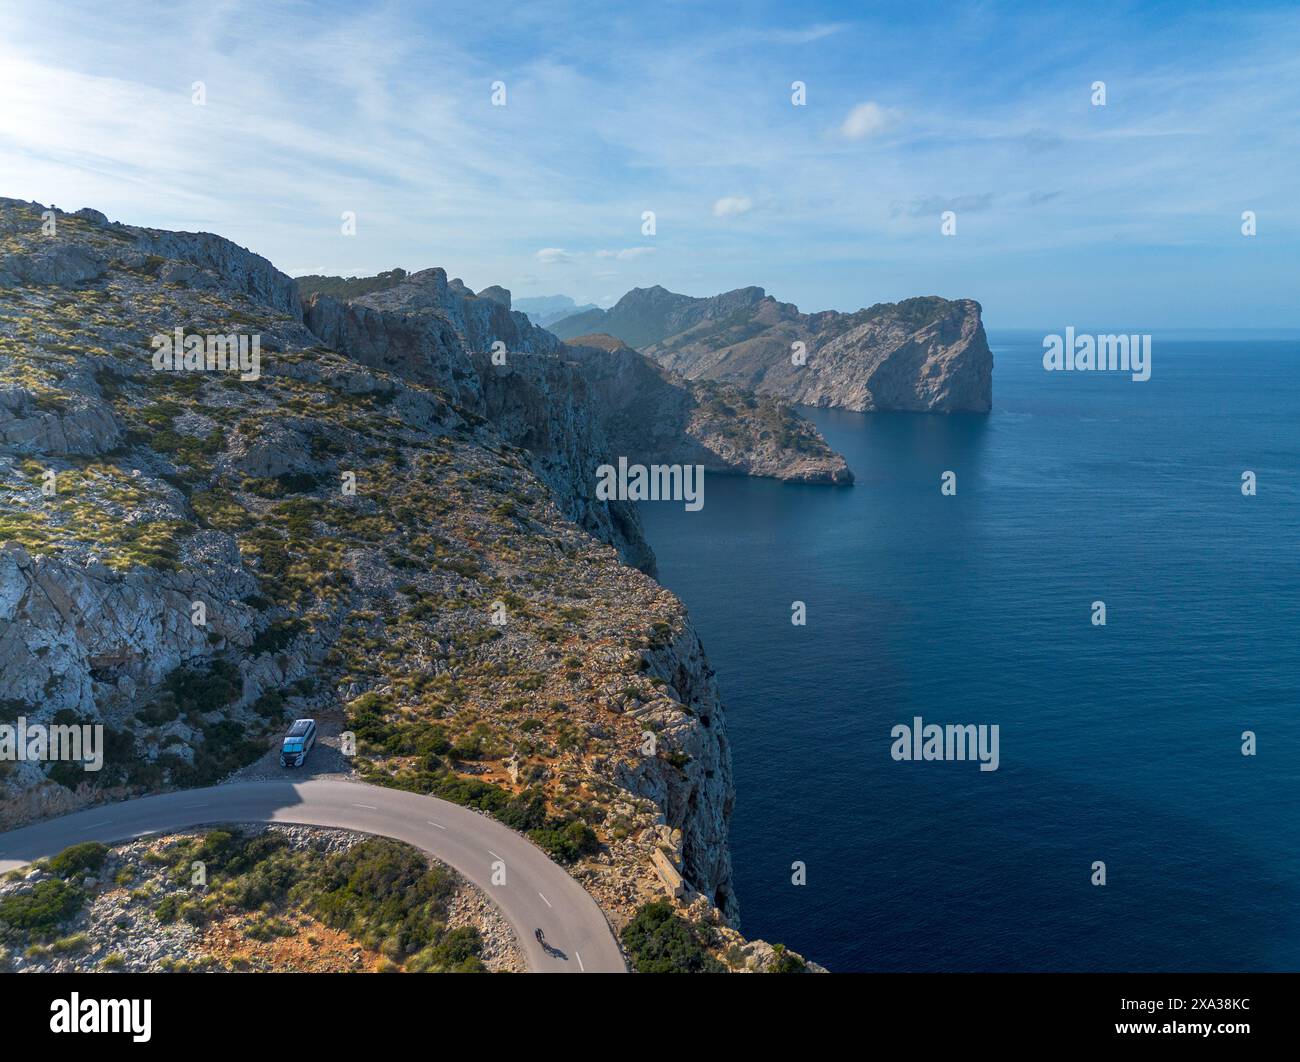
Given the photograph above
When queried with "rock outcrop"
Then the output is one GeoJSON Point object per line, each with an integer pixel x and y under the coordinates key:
{"type": "Point", "coordinates": [920, 355]}
{"type": "Point", "coordinates": [652, 415]}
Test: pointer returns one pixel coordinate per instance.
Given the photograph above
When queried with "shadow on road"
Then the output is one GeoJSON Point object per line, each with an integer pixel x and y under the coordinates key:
{"type": "Point", "coordinates": [550, 949]}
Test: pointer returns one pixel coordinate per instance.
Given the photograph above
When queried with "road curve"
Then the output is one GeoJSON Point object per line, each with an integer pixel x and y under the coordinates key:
{"type": "Point", "coordinates": [536, 892]}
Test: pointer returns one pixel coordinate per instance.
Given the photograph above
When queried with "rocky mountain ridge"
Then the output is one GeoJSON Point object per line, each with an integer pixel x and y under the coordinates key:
{"type": "Point", "coordinates": [647, 413]}
{"type": "Point", "coordinates": [920, 355]}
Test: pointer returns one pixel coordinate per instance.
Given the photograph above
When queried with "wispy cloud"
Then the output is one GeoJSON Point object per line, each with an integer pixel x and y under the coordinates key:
{"type": "Point", "coordinates": [554, 256]}
{"type": "Point", "coordinates": [627, 253]}
{"type": "Point", "coordinates": [732, 205]}
{"type": "Point", "coordinates": [807, 34]}
{"type": "Point", "coordinates": [867, 119]}
{"type": "Point", "coordinates": [924, 206]}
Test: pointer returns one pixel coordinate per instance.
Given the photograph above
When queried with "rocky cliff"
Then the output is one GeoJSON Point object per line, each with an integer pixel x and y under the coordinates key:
{"type": "Point", "coordinates": [645, 412]}
{"type": "Point", "coordinates": [919, 355]}
{"type": "Point", "coordinates": [381, 527]}
{"type": "Point", "coordinates": [654, 415]}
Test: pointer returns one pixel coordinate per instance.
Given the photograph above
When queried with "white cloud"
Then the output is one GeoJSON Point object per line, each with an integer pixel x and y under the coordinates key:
{"type": "Point", "coordinates": [554, 256]}
{"type": "Point", "coordinates": [867, 119]}
{"type": "Point", "coordinates": [815, 32]}
{"type": "Point", "coordinates": [729, 206]}
{"type": "Point", "coordinates": [626, 253]}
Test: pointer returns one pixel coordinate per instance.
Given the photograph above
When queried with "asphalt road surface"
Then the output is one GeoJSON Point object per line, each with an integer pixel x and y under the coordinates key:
{"type": "Point", "coordinates": [536, 893]}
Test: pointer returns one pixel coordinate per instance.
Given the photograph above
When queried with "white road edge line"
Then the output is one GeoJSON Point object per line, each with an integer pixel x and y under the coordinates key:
{"type": "Point", "coordinates": [578, 955]}
{"type": "Point", "coordinates": [545, 900]}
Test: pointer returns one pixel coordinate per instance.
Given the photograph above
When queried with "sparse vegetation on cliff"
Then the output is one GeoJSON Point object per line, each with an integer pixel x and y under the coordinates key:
{"type": "Point", "coordinates": [659, 940]}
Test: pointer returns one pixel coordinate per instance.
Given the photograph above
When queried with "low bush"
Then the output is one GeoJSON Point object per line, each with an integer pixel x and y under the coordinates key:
{"type": "Point", "coordinates": [661, 941]}
{"type": "Point", "coordinates": [40, 912]}
{"type": "Point", "coordinates": [86, 857]}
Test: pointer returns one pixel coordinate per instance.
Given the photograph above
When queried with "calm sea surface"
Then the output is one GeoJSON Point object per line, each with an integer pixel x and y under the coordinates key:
{"type": "Point", "coordinates": [1119, 743]}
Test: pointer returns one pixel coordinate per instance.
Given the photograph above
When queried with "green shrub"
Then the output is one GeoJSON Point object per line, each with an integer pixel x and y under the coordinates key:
{"type": "Point", "coordinates": [457, 952]}
{"type": "Point", "coordinates": [204, 690]}
{"type": "Point", "coordinates": [385, 893]}
{"type": "Point", "coordinates": [527, 811]}
{"type": "Point", "coordinates": [270, 705]}
{"type": "Point", "coordinates": [167, 909]}
{"type": "Point", "coordinates": [43, 910]}
{"type": "Point", "coordinates": [69, 944]}
{"type": "Point", "coordinates": [783, 961]}
{"type": "Point", "coordinates": [661, 941]}
{"type": "Point", "coordinates": [567, 842]}
{"type": "Point", "coordinates": [87, 856]}
{"type": "Point", "coordinates": [276, 637]}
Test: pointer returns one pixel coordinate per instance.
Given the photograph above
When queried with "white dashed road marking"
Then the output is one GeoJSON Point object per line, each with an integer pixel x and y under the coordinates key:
{"type": "Point", "coordinates": [578, 955]}
{"type": "Point", "coordinates": [545, 900]}
{"type": "Point", "coordinates": [368, 807]}
{"type": "Point", "coordinates": [438, 824]}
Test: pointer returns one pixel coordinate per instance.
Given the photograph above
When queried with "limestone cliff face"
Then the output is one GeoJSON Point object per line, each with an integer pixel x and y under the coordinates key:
{"type": "Point", "coordinates": [572, 406]}
{"type": "Point", "coordinates": [647, 316]}
{"type": "Point", "coordinates": [697, 798]}
{"type": "Point", "coordinates": [652, 415]}
{"type": "Point", "coordinates": [933, 358]}
{"type": "Point", "coordinates": [479, 319]}
{"type": "Point", "coordinates": [422, 347]}
{"type": "Point", "coordinates": [920, 355]}
{"type": "Point", "coordinates": [75, 635]}
{"type": "Point", "coordinates": [83, 425]}
{"type": "Point", "coordinates": [543, 406]}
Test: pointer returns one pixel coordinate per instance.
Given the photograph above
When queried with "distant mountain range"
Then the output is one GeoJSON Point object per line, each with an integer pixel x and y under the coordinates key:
{"type": "Point", "coordinates": [924, 354]}
{"type": "Point", "coordinates": [544, 310]}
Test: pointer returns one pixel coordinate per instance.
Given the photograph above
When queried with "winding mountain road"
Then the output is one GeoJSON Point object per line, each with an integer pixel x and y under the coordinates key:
{"type": "Point", "coordinates": [536, 893]}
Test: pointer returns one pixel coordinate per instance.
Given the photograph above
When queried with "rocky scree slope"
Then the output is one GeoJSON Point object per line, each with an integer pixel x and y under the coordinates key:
{"type": "Point", "coordinates": [470, 506]}
{"type": "Point", "coordinates": [920, 355]}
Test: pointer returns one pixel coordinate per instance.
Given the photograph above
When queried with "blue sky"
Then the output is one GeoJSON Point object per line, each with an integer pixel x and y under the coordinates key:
{"type": "Point", "coordinates": [1118, 217]}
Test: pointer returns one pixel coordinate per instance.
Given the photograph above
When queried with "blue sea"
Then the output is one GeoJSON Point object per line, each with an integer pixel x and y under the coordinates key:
{"type": "Point", "coordinates": [1120, 744]}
